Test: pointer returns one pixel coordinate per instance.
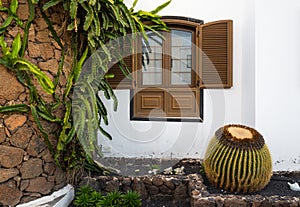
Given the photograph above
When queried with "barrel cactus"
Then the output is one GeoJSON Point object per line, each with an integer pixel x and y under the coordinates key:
{"type": "Point", "coordinates": [238, 160]}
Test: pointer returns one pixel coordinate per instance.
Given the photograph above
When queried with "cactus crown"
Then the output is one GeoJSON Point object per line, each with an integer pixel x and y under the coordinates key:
{"type": "Point", "coordinates": [240, 136]}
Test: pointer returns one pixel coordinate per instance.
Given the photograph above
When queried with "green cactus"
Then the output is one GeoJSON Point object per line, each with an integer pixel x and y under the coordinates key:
{"type": "Point", "coordinates": [238, 160]}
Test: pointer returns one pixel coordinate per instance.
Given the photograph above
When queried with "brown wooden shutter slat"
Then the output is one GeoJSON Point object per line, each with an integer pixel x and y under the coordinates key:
{"type": "Point", "coordinates": [120, 81]}
{"type": "Point", "coordinates": [216, 54]}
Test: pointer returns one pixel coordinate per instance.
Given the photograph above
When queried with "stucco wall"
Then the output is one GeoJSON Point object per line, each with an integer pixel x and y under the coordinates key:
{"type": "Point", "coordinates": [235, 105]}
{"type": "Point", "coordinates": [278, 79]}
{"type": "Point", "coordinates": [265, 92]}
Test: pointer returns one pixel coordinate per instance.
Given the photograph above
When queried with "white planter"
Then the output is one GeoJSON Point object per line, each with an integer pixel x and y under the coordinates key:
{"type": "Point", "coordinates": [60, 198]}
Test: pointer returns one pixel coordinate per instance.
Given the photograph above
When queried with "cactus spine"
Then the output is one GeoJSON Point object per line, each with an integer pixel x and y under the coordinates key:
{"type": "Point", "coordinates": [238, 160]}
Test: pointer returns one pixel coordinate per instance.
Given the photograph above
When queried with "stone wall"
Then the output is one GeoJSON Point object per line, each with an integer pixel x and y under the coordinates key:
{"type": "Point", "coordinates": [27, 169]}
{"type": "Point", "coordinates": [183, 190]}
{"type": "Point", "coordinates": [159, 187]}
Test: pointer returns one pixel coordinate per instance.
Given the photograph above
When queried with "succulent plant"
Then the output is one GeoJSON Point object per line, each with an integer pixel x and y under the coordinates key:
{"type": "Point", "coordinates": [238, 160]}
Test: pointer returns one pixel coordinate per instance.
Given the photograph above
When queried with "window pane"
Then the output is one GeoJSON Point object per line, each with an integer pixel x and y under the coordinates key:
{"type": "Point", "coordinates": [152, 60]}
{"type": "Point", "coordinates": [181, 57]}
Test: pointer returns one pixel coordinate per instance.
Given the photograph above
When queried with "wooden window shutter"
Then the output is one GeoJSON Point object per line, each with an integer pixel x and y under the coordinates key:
{"type": "Point", "coordinates": [216, 54]}
{"type": "Point", "coordinates": [120, 81]}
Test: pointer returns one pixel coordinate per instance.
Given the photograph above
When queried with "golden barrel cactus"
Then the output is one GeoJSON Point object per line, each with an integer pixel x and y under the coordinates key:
{"type": "Point", "coordinates": [238, 160]}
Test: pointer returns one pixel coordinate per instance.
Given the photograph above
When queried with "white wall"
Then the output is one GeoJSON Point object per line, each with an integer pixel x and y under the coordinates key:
{"type": "Point", "coordinates": [235, 105]}
{"type": "Point", "coordinates": [278, 79]}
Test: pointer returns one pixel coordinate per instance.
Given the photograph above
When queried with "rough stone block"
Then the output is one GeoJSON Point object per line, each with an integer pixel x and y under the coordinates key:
{"type": "Point", "coordinates": [201, 202]}
{"type": "Point", "coordinates": [40, 185]}
{"type": "Point", "coordinates": [6, 174]}
{"type": "Point", "coordinates": [10, 156]}
{"type": "Point", "coordinates": [42, 50]}
{"type": "Point", "coordinates": [23, 11]}
{"type": "Point", "coordinates": [180, 192]}
{"type": "Point", "coordinates": [9, 194]}
{"type": "Point", "coordinates": [14, 121]}
{"type": "Point", "coordinates": [157, 181]}
{"type": "Point", "coordinates": [165, 190]}
{"type": "Point", "coordinates": [21, 137]}
{"type": "Point", "coordinates": [36, 146]}
{"type": "Point", "coordinates": [32, 168]}
{"type": "Point", "coordinates": [139, 186]}
{"type": "Point", "coordinates": [2, 134]}
{"type": "Point", "coordinates": [152, 189]}
{"type": "Point", "coordinates": [235, 202]}
{"type": "Point", "coordinates": [50, 65]}
{"type": "Point", "coordinates": [112, 185]}
{"type": "Point", "coordinates": [169, 184]}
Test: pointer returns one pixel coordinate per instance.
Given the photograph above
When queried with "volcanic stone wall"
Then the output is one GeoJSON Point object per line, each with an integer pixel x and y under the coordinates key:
{"type": "Point", "coordinates": [27, 169]}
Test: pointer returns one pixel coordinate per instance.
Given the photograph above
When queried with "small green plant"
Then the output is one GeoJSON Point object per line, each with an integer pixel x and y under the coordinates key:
{"type": "Point", "coordinates": [111, 199]}
{"type": "Point", "coordinates": [87, 197]}
{"type": "Point", "coordinates": [131, 199]}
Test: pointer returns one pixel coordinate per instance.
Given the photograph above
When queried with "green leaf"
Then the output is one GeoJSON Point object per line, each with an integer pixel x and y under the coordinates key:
{"type": "Point", "coordinates": [154, 31]}
{"type": "Point", "coordinates": [106, 51]}
{"type": "Point", "coordinates": [101, 106]}
{"type": "Point", "coordinates": [79, 120]}
{"type": "Point", "coordinates": [3, 9]}
{"type": "Point", "coordinates": [41, 128]}
{"type": "Point", "coordinates": [68, 86]}
{"type": "Point", "coordinates": [111, 93]}
{"type": "Point", "coordinates": [16, 46]}
{"type": "Point", "coordinates": [159, 8]}
{"type": "Point", "coordinates": [42, 78]}
{"type": "Point", "coordinates": [70, 135]}
{"type": "Point", "coordinates": [80, 64]}
{"type": "Point", "coordinates": [51, 4]}
{"type": "Point", "coordinates": [3, 45]}
{"type": "Point", "coordinates": [92, 2]}
{"type": "Point", "coordinates": [97, 24]}
{"type": "Point", "coordinates": [128, 17]}
{"type": "Point", "coordinates": [66, 125]}
{"type": "Point", "coordinates": [49, 118]}
{"type": "Point", "coordinates": [6, 23]}
{"type": "Point", "coordinates": [105, 19]}
{"type": "Point", "coordinates": [124, 69]}
{"type": "Point", "coordinates": [133, 5]}
{"type": "Point", "coordinates": [27, 27]}
{"type": "Point", "coordinates": [71, 26]}
{"type": "Point", "coordinates": [73, 9]}
{"type": "Point", "coordinates": [116, 12]}
{"type": "Point", "coordinates": [89, 16]}
{"type": "Point", "coordinates": [14, 108]}
{"type": "Point", "coordinates": [105, 133]}
{"type": "Point", "coordinates": [14, 6]}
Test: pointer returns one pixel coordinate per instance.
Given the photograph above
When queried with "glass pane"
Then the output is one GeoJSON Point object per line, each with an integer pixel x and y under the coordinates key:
{"type": "Point", "coordinates": [181, 57]}
{"type": "Point", "coordinates": [152, 60]}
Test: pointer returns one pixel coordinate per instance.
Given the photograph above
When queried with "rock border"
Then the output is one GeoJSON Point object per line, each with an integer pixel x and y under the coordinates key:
{"type": "Point", "coordinates": [183, 188]}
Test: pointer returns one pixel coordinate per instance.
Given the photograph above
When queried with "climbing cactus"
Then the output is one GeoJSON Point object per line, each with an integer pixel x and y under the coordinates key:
{"type": "Point", "coordinates": [238, 160]}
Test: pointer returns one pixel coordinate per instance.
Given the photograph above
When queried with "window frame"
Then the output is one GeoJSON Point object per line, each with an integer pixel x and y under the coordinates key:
{"type": "Point", "coordinates": [181, 24]}
{"type": "Point", "coordinates": [214, 54]}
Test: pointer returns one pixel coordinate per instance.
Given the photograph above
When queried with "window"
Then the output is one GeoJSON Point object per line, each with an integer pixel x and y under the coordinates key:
{"type": "Point", "coordinates": [170, 73]}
